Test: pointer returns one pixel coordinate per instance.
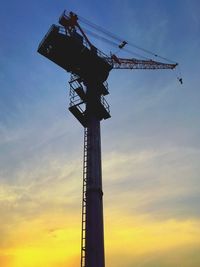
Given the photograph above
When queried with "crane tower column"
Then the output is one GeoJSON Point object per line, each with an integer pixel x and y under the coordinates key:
{"type": "Point", "coordinates": [94, 232]}
{"type": "Point", "coordinates": [92, 250]}
{"type": "Point", "coordinates": [88, 105]}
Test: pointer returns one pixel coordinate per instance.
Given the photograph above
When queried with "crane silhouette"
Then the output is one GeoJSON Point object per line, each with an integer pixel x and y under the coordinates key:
{"type": "Point", "coordinates": [69, 47]}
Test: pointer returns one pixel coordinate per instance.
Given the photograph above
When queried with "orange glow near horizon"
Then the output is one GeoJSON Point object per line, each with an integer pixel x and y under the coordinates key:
{"type": "Point", "coordinates": [39, 244]}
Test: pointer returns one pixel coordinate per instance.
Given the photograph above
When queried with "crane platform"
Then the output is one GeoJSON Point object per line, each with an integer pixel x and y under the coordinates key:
{"type": "Point", "coordinates": [79, 99]}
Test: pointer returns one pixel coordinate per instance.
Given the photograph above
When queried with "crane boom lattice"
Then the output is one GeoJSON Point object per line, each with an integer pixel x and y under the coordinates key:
{"type": "Point", "coordinates": [124, 63]}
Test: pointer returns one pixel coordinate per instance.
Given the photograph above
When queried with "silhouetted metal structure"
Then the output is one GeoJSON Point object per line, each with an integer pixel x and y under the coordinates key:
{"type": "Point", "coordinates": [69, 47]}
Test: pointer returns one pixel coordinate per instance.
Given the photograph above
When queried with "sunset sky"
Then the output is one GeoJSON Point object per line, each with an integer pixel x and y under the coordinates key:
{"type": "Point", "coordinates": [150, 146]}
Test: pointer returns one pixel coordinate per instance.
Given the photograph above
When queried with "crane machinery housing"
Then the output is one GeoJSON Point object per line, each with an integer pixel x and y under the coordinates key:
{"type": "Point", "coordinates": [68, 46]}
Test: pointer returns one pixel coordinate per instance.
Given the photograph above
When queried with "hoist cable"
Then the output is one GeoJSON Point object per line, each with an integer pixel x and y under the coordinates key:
{"type": "Point", "coordinates": [115, 37]}
{"type": "Point", "coordinates": [95, 35]}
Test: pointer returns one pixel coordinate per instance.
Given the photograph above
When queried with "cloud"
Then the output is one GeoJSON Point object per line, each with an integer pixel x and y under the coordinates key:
{"type": "Point", "coordinates": [151, 160]}
{"type": "Point", "coordinates": [141, 241]}
{"type": "Point", "coordinates": [54, 188]}
{"type": "Point", "coordinates": [162, 183]}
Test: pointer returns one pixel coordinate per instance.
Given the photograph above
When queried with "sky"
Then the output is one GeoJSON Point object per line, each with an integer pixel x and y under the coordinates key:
{"type": "Point", "coordinates": [150, 146]}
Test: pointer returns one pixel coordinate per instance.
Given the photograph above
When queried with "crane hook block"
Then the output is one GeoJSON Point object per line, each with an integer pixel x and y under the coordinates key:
{"type": "Point", "coordinates": [180, 80]}
{"type": "Point", "coordinates": [122, 44]}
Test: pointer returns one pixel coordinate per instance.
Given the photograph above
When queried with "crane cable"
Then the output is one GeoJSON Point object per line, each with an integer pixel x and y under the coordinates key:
{"type": "Point", "coordinates": [119, 39]}
{"type": "Point", "coordinates": [95, 35]}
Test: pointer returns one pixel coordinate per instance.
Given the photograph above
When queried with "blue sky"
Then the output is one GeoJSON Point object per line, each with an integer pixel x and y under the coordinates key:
{"type": "Point", "coordinates": [151, 148]}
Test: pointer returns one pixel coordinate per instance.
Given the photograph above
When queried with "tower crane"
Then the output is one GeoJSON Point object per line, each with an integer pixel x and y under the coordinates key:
{"type": "Point", "coordinates": [68, 46]}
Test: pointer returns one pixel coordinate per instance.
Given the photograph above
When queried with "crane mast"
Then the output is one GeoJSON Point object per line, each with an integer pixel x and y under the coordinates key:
{"type": "Point", "coordinates": [69, 47]}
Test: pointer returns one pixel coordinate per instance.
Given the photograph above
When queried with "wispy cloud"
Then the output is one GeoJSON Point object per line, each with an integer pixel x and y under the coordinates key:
{"type": "Point", "coordinates": [162, 183]}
